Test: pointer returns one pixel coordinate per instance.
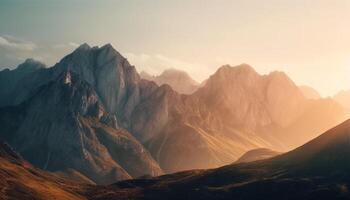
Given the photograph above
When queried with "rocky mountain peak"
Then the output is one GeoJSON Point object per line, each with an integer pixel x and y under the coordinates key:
{"type": "Point", "coordinates": [114, 79]}
{"type": "Point", "coordinates": [174, 71]}
{"type": "Point", "coordinates": [107, 53]}
{"type": "Point", "coordinates": [91, 59]}
{"type": "Point", "coordinates": [146, 76]}
{"type": "Point", "coordinates": [108, 46]}
{"type": "Point", "coordinates": [280, 76]}
{"type": "Point", "coordinates": [84, 46]}
{"type": "Point", "coordinates": [179, 80]}
{"type": "Point", "coordinates": [30, 65]}
{"type": "Point", "coordinates": [240, 74]}
{"type": "Point", "coordinates": [242, 68]}
{"type": "Point", "coordinates": [179, 75]}
{"type": "Point", "coordinates": [229, 78]}
{"type": "Point", "coordinates": [94, 55]}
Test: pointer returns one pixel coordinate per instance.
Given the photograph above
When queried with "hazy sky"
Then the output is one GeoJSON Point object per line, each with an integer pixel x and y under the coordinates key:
{"type": "Point", "coordinates": [309, 40]}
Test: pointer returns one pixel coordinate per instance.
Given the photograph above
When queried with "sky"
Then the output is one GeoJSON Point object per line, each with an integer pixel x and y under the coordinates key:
{"type": "Point", "coordinates": [309, 40]}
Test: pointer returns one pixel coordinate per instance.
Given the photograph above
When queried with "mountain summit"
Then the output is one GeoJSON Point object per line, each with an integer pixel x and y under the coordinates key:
{"type": "Point", "coordinates": [10, 78]}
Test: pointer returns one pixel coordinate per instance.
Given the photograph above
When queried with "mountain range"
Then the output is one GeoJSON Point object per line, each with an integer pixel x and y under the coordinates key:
{"type": "Point", "coordinates": [92, 116]}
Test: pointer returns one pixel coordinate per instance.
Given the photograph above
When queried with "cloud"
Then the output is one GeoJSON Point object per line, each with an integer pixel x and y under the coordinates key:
{"type": "Point", "coordinates": [10, 42]}
{"type": "Point", "coordinates": [68, 45]}
{"type": "Point", "coordinates": [14, 51]}
{"type": "Point", "coordinates": [157, 63]}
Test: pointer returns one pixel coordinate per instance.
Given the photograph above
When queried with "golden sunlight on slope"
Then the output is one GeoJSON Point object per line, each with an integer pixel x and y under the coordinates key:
{"type": "Point", "coordinates": [25, 182]}
{"type": "Point", "coordinates": [318, 117]}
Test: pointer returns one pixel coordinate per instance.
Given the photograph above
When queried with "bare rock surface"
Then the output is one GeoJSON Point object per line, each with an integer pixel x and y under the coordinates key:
{"type": "Point", "coordinates": [62, 127]}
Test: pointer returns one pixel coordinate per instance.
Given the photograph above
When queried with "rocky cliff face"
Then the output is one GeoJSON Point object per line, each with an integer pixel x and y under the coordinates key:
{"type": "Point", "coordinates": [114, 79]}
{"type": "Point", "coordinates": [65, 126]}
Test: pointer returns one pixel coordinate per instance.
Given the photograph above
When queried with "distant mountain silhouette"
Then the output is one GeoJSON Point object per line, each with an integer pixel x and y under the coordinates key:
{"type": "Point", "coordinates": [343, 98]}
{"type": "Point", "coordinates": [309, 92]}
{"type": "Point", "coordinates": [10, 78]}
{"type": "Point", "coordinates": [179, 80]}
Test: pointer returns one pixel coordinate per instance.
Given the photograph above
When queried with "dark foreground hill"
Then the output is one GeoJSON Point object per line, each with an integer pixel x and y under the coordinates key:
{"type": "Point", "coordinates": [317, 170]}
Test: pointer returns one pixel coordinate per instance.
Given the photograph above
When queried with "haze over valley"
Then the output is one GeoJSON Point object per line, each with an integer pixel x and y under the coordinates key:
{"type": "Point", "coordinates": [241, 111]}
